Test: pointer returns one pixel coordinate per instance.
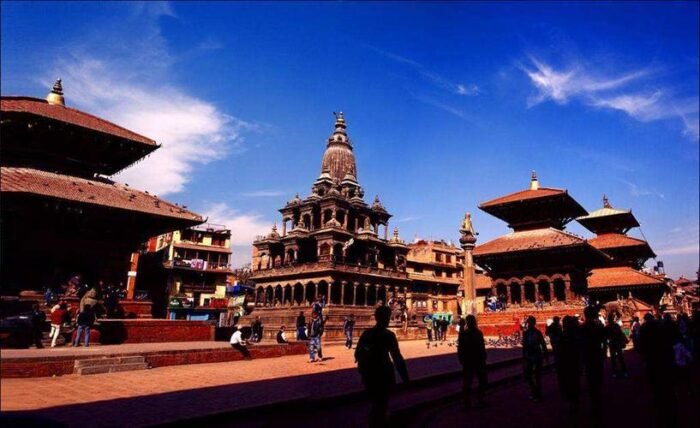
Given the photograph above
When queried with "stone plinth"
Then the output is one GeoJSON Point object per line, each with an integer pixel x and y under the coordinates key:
{"type": "Point", "coordinates": [116, 331]}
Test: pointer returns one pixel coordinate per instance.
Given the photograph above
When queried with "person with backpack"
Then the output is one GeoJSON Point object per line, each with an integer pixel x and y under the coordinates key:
{"type": "Point", "coordinates": [374, 354]}
{"type": "Point", "coordinates": [534, 352]}
{"type": "Point", "coordinates": [471, 351]}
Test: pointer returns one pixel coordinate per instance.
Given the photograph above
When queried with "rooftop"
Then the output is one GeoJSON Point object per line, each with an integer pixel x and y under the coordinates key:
{"type": "Point", "coordinates": [94, 192]}
{"type": "Point", "coordinates": [537, 239]}
{"type": "Point", "coordinates": [39, 107]}
{"type": "Point", "coordinates": [621, 276]}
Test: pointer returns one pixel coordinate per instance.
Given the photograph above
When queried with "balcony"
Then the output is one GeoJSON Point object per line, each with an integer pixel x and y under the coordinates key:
{"type": "Point", "coordinates": [198, 265]}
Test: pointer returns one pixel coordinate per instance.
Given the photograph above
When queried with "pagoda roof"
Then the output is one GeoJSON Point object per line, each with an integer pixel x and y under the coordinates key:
{"type": "Point", "coordinates": [100, 192]}
{"type": "Point", "coordinates": [621, 277]}
{"type": "Point", "coordinates": [523, 195]}
{"type": "Point", "coordinates": [609, 219]}
{"type": "Point", "coordinates": [535, 207]}
{"type": "Point", "coordinates": [529, 240]}
{"type": "Point", "coordinates": [39, 107]}
{"type": "Point", "coordinates": [617, 240]}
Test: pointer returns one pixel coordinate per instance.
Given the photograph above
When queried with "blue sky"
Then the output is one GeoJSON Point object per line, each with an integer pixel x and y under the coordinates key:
{"type": "Point", "coordinates": [448, 104]}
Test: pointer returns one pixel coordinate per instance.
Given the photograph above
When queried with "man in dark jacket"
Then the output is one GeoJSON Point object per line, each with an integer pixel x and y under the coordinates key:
{"type": "Point", "coordinates": [534, 352]}
{"type": "Point", "coordinates": [38, 321]}
{"type": "Point", "coordinates": [471, 351]}
{"type": "Point", "coordinates": [373, 352]}
{"type": "Point", "coordinates": [86, 319]}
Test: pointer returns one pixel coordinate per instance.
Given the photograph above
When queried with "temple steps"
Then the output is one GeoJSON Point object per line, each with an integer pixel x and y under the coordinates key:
{"type": "Point", "coordinates": [109, 365]}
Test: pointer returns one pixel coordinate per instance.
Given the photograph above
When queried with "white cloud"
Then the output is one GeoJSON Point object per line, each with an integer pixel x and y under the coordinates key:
{"type": "Point", "coordinates": [637, 190]}
{"type": "Point", "coordinates": [578, 82]}
{"type": "Point", "coordinates": [130, 82]}
{"type": "Point", "coordinates": [245, 227]}
{"type": "Point", "coordinates": [436, 79]}
{"type": "Point", "coordinates": [407, 218]}
{"type": "Point", "coordinates": [452, 110]}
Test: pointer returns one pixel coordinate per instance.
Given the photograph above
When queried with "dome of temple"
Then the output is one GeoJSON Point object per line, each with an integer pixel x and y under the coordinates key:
{"type": "Point", "coordinates": [339, 160]}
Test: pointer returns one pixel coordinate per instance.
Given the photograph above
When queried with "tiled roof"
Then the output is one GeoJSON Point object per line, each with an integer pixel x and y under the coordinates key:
{"type": "Point", "coordinates": [522, 195]}
{"type": "Point", "coordinates": [621, 276]}
{"type": "Point", "coordinates": [96, 192]}
{"type": "Point", "coordinates": [604, 212]}
{"type": "Point", "coordinates": [683, 281]}
{"type": "Point", "coordinates": [616, 240]}
{"type": "Point", "coordinates": [202, 247]}
{"type": "Point", "coordinates": [529, 240]}
{"type": "Point", "coordinates": [69, 115]}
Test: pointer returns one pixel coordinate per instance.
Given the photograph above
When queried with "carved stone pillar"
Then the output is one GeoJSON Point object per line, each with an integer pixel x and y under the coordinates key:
{"type": "Point", "coordinates": [522, 295]}
{"type": "Point", "coordinates": [552, 297]}
{"type": "Point", "coordinates": [366, 293]}
{"type": "Point", "coordinates": [303, 296]}
{"type": "Point", "coordinates": [354, 294]}
{"type": "Point", "coordinates": [569, 295]}
{"type": "Point", "coordinates": [509, 297]}
{"type": "Point", "coordinates": [342, 292]}
{"type": "Point", "coordinates": [283, 293]}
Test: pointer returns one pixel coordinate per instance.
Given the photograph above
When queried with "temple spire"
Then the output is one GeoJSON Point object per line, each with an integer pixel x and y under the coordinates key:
{"type": "Point", "coordinates": [55, 97]}
{"type": "Point", "coordinates": [606, 202]}
{"type": "Point", "coordinates": [534, 182]}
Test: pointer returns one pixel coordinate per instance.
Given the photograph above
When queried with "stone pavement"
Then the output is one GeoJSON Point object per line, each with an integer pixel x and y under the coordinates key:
{"type": "Point", "coordinates": [171, 393]}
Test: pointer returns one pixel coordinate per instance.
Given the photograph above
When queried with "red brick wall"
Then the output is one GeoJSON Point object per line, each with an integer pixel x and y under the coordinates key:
{"type": "Point", "coordinates": [152, 331]}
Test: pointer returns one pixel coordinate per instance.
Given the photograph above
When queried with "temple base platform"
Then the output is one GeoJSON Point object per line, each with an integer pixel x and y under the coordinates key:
{"type": "Point", "coordinates": [16, 363]}
{"type": "Point", "coordinates": [504, 322]}
{"type": "Point", "coordinates": [274, 317]}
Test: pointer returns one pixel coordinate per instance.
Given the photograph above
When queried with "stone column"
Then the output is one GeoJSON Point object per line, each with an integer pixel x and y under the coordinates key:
{"type": "Point", "coordinates": [303, 296]}
{"type": "Point", "coordinates": [345, 221]}
{"type": "Point", "coordinates": [567, 291]}
{"type": "Point", "coordinates": [376, 293]}
{"type": "Point", "coordinates": [284, 227]}
{"type": "Point", "coordinates": [522, 294]}
{"type": "Point", "coordinates": [354, 294]}
{"type": "Point", "coordinates": [342, 292]}
{"type": "Point", "coordinates": [468, 242]}
{"type": "Point", "coordinates": [366, 293]}
{"type": "Point", "coordinates": [316, 291]}
{"type": "Point", "coordinates": [509, 297]}
{"type": "Point", "coordinates": [283, 293]}
{"type": "Point", "coordinates": [386, 231]}
{"type": "Point", "coordinates": [551, 293]}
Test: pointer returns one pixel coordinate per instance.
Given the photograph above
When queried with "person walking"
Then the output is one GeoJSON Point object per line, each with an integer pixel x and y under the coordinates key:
{"type": "Point", "coordinates": [58, 317]}
{"type": "Point", "coordinates": [374, 354]}
{"type": "Point", "coordinates": [38, 318]}
{"type": "Point", "coordinates": [593, 356]}
{"type": "Point", "coordinates": [428, 328]}
{"type": "Point", "coordinates": [471, 351]}
{"type": "Point", "coordinates": [86, 319]}
{"type": "Point", "coordinates": [534, 352]}
{"type": "Point", "coordinates": [238, 343]}
{"type": "Point", "coordinates": [301, 326]}
{"type": "Point", "coordinates": [568, 362]}
{"type": "Point", "coordinates": [315, 330]}
{"type": "Point", "coordinates": [616, 341]}
{"type": "Point", "coordinates": [656, 350]}
{"type": "Point", "coordinates": [348, 327]}
{"type": "Point", "coordinates": [554, 332]}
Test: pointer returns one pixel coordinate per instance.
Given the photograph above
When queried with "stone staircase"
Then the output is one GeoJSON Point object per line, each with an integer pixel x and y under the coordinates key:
{"type": "Point", "coordinates": [110, 365]}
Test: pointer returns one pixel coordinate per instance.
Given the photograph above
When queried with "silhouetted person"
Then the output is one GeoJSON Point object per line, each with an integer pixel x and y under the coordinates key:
{"type": "Point", "coordinates": [656, 348]}
{"type": "Point", "coordinates": [471, 351]}
{"type": "Point", "coordinates": [257, 330]}
{"type": "Point", "coordinates": [568, 362]}
{"type": "Point", "coordinates": [634, 332]}
{"type": "Point", "coordinates": [534, 352]}
{"type": "Point", "coordinates": [617, 341]}
{"type": "Point", "coordinates": [38, 319]}
{"type": "Point", "coordinates": [593, 355]}
{"type": "Point", "coordinates": [372, 354]}
{"type": "Point", "coordinates": [554, 332]}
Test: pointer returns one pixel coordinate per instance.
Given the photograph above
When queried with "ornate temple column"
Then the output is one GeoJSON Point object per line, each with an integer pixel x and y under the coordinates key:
{"type": "Point", "coordinates": [354, 293]}
{"type": "Point", "coordinates": [569, 296]}
{"type": "Point", "coordinates": [376, 293]}
{"type": "Point", "coordinates": [303, 296]}
{"type": "Point", "coordinates": [468, 242]}
{"type": "Point", "coordinates": [366, 293]}
{"type": "Point", "coordinates": [342, 292]}
{"type": "Point", "coordinates": [316, 291]}
{"type": "Point", "coordinates": [283, 293]}
{"type": "Point", "coordinates": [522, 294]}
{"type": "Point", "coordinates": [552, 297]}
{"type": "Point", "coordinates": [386, 231]}
{"type": "Point", "coordinates": [284, 227]}
{"type": "Point", "coordinates": [509, 297]}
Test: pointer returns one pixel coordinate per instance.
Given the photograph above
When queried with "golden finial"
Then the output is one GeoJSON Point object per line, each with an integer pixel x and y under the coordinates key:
{"type": "Point", "coordinates": [606, 202]}
{"type": "Point", "coordinates": [534, 182]}
{"type": "Point", "coordinates": [55, 97]}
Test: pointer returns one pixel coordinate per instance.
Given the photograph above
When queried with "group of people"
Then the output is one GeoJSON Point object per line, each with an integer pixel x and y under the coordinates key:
{"type": "Point", "coordinates": [61, 322]}
{"type": "Point", "coordinates": [436, 328]}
